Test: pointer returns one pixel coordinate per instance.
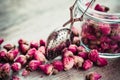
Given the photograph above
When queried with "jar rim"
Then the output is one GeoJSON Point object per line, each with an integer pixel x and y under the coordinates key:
{"type": "Point", "coordinates": [106, 17]}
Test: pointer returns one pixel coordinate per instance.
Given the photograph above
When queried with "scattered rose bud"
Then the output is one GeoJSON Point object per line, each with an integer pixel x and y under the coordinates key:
{"type": "Point", "coordinates": [2, 55]}
{"type": "Point", "coordinates": [12, 54]}
{"type": "Point", "coordinates": [42, 49]}
{"type": "Point", "coordinates": [87, 64]}
{"type": "Point", "coordinates": [67, 53]}
{"type": "Point", "coordinates": [34, 64]}
{"type": "Point", "coordinates": [101, 62]}
{"type": "Point", "coordinates": [21, 59]}
{"type": "Point", "coordinates": [58, 65]}
{"type": "Point", "coordinates": [78, 61]}
{"type": "Point", "coordinates": [101, 8]}
{"type": "Point", "coordinates": [25, 72]}
{"type": "Point", "coordinates": [75, 31]}
{"type": "Point", "coordinates": [47, 68]}
{"type": "Point", "coordinates": [34, 44]}
{"type": "Point", "coordinates": [39, 56]}
{"type": "Point", "coordinates": [22, 41]}
{"type": "Point", "coordinates": [84, 55]}
{"type": "Point", "coordinates": [81, 49]}
{"type": "Point", "coordinates": [23, 48]}
{"type": "Point", "coordinates": [30, 53]}
{"type": "Point", "coordinates": [16, 66]}
{"type": "Point", "coordinates": [93, 76]}
{"type": "Point", "coordinates": [72, 48]}
{"type": "Point", "coordinates": [6, 69]}
{"type": "Point", "coordinates": [15, 78]}
{"type": "Point", "coordinates": [42, 42]}
{"type": "Point", "coordinates": [68, 63]}
{"type": "Point", "coordinates": [8, 47]}
{"type": "Point", "coordinates": [1, 40]}
{"type": "Point", "coordinates": [93, 55]}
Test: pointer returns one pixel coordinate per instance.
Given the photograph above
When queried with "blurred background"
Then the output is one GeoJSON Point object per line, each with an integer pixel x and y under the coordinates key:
{"type": "Point", "coordinates": [31, 19]}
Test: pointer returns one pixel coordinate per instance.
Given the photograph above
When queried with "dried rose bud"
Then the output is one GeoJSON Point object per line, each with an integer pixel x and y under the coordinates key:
{"type": "Point", "coordinates": [78, 61]}
{"type": "Point", "coordinates": [2, 55]}
{"type": "Point", "coordinates": [25, 72]}
{"type": "Point", "coordinates": [64, 50]}
{"type": "Point", "coordinates": [6, 68]}
{"type": "Point", "coordinates": [67, 53]}
{"type": "Point", "coordinates": [30, 53]}
{"type": "Point", "coordinates": [90, 36]}
{"type": "Point", "coordinates": [23, 48]}
{"type": "Point", "coordinates": [76, 40]}
{"type": "Point", "coordinates": [105, 28]}
{"type": "Point", "coordinates": [55, 71]}
{"type": "Point", "coordinates": [22, 41]}
{"type": "Point", "coordinates": [34, 64]}
{"type": "Point", "coordinates": [105, 39]}
{"type": "Point", "coordinates": [87, 64]}
{"type": "Point", "coordinates": [93, 76]}
{"type": "Point", "coordinates": [105, 46]}
{"type": "Point", "coordinates": [47, 68]}
{"type": "Point", "coordinates": [9, 46]}
{"type": "Point", "coordinates": [12, 54]}
{"type": "Point", "coordinates": [34, 44]}
{"type": "Point", "coordinates": [42, 42]}
{"type": "Point", "coordinates": [39, 56]}
{"type": "Point", "coordinates": [1, 40]}
{"type": "Point", "coordinates": [93, 55]}
{"type": "Point", "coordinates": [21, 59]}
{"type": "Point", "coordinates": [15, 78]}
{"type": "Point", "coordinates": [68, 63]}
{"type": "Point", "coordinates": [73, 48]}
{"type": "Point", "coordinates": [42, 49]}
{"type": "Point", "coordinates": [81, 49]}
{"type": "Point", "coordinates": [75, 31]}
{"type": "Point", "coordinates": [101, 62]}
{"type": "Point", "coordinates": [58, 65]}
{"type": "Point", "coordinates": [84, 55]}
{"type": "Point", "coordinates": [101, 8]}
{"type": "Point", "coordinates": [16, 66]}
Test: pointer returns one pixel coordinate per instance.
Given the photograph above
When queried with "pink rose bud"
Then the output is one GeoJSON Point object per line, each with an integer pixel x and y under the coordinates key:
{"type": "Point", "coordinates": [12, 54]}
{"type": "Point", "coordinates": [75, 31]}
{"type": "Point", "coordinates": [2, 55]}
{"type": "Point", "coordinates": [64, 50]}
{"type": "Point", "coordinates": [42, 49]}
{"type": "Point", "coordinates": [1, 40]}
{"type": "Point", "coordinates": [22, 41]}
{"type": "Point", "coordinates": [58, 65]}
{"type": "Point", "coordinates": [87, 64]}
{"type": "Point", "coordinates": [68, 63]}
{"type": "Point", "coordinates": [105, 46]}
{"type": "Point", "coordinates": [30, 53]}
{"type": "Point", "coordinates": [84, 55]}
{"type": "Point", "coordinates": [34, 64]}
{"type": "Point", "coordinates": [23, 48]}
{"type": "Point", "coordinates": [47, 68]}
{"type": "Point", "coordinates": [16, 66]}
{"type": "Point", "coordinates": [81, 49]}
{"type": "Point", "coordinates": [93, 76]}
{"type": "Point", "coordinates": [25, 72]}
{"type": "Point", "coordinates": [105, 28]}
{"type": "Point", "coordinates": [105, 39]}
{"type": "Point", "coordinates": [93, 55]}
{"type": "Point", "coordinates": [8, 47]}
{"type": "Point", "coordinates": [39, 56]}
{"type": "Point", "coordinates": [15, 78]}
{"type": "Point", "coordinates": [101, 62]}
{"type": "Point", "coordinates": [101, 8]}
{"type": "Point", "coordinates": [1, 64]}
{"type": "Point", "coordinates": [73, 48]}
{"type": "Point", "coordinates": [67, 53]}
{"type": "Point", "coordinates": [6, 68]}
{"type": "Point", "coordinates": [42, 42]}
{"type": "Point", "coordinates": [34, 44]}
{"type": "Point", "coordinates": [21, 59]}
{"type": "Point", "coordinates": [78, 61]}
{"type": "Point", "coordinates": [76, 40]}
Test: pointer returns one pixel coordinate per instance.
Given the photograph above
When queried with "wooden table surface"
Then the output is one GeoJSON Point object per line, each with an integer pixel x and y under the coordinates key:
{"type": "Point", "coordinates": [35, 19]}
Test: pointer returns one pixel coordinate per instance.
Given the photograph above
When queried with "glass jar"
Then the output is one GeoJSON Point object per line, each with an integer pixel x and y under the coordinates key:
{"type": "Point", "coordinates": [101, 30]}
